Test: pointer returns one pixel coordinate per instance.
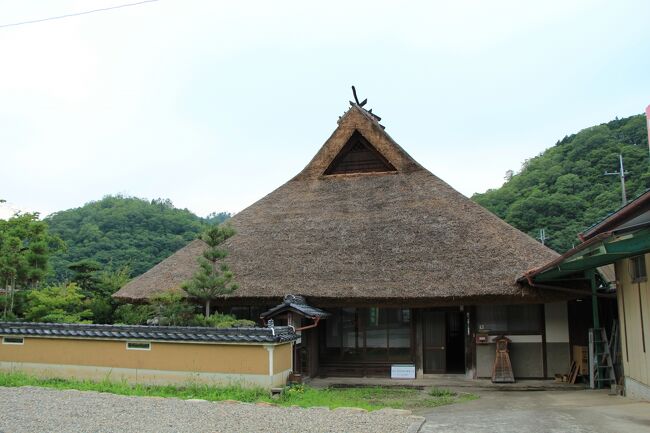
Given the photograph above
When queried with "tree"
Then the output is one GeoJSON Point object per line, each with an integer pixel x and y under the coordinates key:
{"type": "Point", "coordinates": [25, 249]}
{"type": "Point", "coordinates": [59, 304]}
{"type": "Point", "coordinates": [173, 310]}
{"type": "Point", "coordinates": [212, 280]}
{"type": "Point", "coordinates": [216, 218]}
{"type": "Point", "coordinates": [130, 314]}
{"type": "Point", "coordinates": [563, 190]}
{"type": "Point", "coordinates": [119, 231]}
{"type": "Point", "coordinates": [85, 273]}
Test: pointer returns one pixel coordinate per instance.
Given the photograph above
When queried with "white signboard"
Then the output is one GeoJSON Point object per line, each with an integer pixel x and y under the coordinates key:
{"type": "Point", "coordinates": [402, 371]}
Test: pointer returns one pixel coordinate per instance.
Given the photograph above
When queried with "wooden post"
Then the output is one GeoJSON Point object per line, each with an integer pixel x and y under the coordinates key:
{"type": "Point", "coordinates": [543, 330]}
{"type": "Point", "coordinates": [312, 350]}
{"type": "Point", "coordinates": [469, 317]}
{"type": "Point", "coordinates": [592, 359]}
{"type": "Point", "coordinates": [419, 358]}
{"type": "Point", "coordinates": [594, 299]}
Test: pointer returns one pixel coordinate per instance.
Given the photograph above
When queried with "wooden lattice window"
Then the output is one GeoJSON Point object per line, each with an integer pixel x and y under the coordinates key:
{"type": "Point", "coordinates": [359, 156]}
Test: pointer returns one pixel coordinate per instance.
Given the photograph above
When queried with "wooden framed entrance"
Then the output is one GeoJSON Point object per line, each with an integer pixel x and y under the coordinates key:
{"type": "Point", "coordinates": [443, 341]}
{"type": "Point", "coordinates": [434, 341]}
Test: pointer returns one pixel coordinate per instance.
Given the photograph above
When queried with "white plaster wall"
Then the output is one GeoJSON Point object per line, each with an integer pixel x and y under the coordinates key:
{"type": "Point", "coordinates": [557, 322]}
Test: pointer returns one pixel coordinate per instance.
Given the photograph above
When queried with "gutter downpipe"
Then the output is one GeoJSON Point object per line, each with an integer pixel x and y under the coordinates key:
{"type": "Point", "coordinates": [594, 294]}
{"type": "Point", "coordinates": [313, 325]}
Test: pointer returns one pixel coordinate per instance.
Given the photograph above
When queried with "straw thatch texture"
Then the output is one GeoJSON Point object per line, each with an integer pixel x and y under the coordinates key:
{"type": "Point", "coordinates": [389, 236]}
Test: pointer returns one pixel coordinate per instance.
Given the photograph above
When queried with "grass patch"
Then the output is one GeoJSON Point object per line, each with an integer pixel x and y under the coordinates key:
{"type": "Point", "coordinates": [369, 398]}
{"type": "Point", "coordinates": [191, 390]}
{"type": "Point", "coordinates": [441, 392]}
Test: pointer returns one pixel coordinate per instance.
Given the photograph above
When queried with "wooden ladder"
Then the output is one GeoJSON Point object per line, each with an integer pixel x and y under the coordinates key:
{"type": "Point", "coordinates": [601, 363]}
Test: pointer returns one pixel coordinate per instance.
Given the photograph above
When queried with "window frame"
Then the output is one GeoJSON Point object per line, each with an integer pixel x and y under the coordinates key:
{"type": "Point", "coordinates": [508, 316]}
{"type": "Point", "coordinates": [14, 343]}
{"type": "Point", "coordinates": [363, 354]}
{"type": "Point", "coordinates": [146, 349]}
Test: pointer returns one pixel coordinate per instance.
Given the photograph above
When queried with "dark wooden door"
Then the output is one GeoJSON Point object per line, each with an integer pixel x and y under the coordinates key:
{"type": "Point", "coordinates": [434, 336]}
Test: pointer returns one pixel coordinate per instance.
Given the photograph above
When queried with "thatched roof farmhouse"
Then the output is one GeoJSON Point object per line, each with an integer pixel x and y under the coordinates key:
{"type": "Point", "coordinates": [365, 230]}
{"type": "Point", "coordinates": [391, 230]}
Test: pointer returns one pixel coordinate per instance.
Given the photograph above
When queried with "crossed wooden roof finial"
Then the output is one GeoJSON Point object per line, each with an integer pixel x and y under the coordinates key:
{"type": "Point", "coordinates": [362, 103]}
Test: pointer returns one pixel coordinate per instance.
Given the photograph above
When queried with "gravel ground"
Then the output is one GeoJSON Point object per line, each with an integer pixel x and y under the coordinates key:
{"type": "Point", "coordinates": [32, 409]}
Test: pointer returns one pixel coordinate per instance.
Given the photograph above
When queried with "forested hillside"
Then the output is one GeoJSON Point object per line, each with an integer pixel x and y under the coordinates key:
{"type": "Point", "coordinates": [121, 231]}
{"type": "Point", "coordinates": [564, 189]}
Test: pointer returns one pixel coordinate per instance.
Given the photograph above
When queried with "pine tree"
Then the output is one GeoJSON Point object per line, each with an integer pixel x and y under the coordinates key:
{"type": "Point", "coordinates": [212, 280]}
{"type": "Point", "coordinates": [25, 248]}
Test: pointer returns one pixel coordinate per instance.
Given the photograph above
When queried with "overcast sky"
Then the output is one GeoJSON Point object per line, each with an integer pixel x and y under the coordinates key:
{"type": "Point", "coordinates": [214, 104]}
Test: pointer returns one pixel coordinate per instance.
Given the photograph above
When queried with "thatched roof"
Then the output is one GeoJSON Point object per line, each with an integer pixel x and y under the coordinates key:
{"type": "Point", "coordinates": [382, 237]}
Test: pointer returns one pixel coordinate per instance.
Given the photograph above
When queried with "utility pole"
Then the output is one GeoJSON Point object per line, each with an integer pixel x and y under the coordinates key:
{"type": "Point", "coordinates": [542, 236]}
{"type": "Point", "coordinates": [647, 120]}
{"type": "Point", "coordinates": [621, 173]}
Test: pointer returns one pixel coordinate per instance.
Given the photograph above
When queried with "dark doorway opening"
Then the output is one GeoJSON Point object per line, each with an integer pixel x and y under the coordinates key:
{"type": "Point", "coordinates": [455, 342]}
{"type": "Point", "coordinates": [443, 341]}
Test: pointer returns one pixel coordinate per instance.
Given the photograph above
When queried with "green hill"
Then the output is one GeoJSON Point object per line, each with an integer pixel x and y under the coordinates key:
{"type": "Point", "coordinates": [564, 189]}
{"type": "Point", "coordinates": [117, 231]}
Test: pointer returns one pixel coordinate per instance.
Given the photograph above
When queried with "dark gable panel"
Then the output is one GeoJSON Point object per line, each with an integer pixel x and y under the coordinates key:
{"type": "Point", "coordinates": [358, 156]}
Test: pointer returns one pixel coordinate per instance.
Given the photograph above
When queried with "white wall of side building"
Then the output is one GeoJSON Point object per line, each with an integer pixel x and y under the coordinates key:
{"type": "Point", "coordinates": [634, 320]}
{"type": "Point", "coordinates": [558, 350]}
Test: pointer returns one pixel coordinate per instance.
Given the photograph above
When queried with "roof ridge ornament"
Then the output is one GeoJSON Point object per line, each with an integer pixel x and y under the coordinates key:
{"type": "Point", "coordinates": [362, 103]}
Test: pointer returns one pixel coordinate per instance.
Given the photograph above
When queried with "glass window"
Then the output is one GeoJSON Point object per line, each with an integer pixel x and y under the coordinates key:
{"type": "Point", "coordinates": [368, 335]}
{"type": "Point", "coordinates": [351, 338]}
{"type": "Point", "coordinates": [333, 331]}
{"type": "Point", "coordinates": [376, 334]}
{"type": "Point", "coordinates": [524, 318]}
{"type": "Point", "coordinates": [399, 334]}
{"type": "Point", "coordinates": [491, 318]}
{"type": "Point", "coordinates": [509, 318]}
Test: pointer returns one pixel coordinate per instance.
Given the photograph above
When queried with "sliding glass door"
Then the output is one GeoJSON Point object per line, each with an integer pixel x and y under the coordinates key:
{"type": "Point", "coordinates": [371, 335]}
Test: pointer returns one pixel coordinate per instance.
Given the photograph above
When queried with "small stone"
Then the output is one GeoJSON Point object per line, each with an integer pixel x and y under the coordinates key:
{"type": "Point", "coordinates": [196, 400]}
{"type": "Point", "coordinates": [350, 409]}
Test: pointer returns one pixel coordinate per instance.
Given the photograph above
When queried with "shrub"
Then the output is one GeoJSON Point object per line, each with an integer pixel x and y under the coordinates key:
{"type": "Point", "coordinates": [102, 309]}
{"type": "Point", "coordinates": [129, 314]}
{"type": "Point", "coordinates": [221, 321]}
{"type": "Point", "coordinates": [60, 304]}
{"type": "Point", "coordinates": [173, 310]}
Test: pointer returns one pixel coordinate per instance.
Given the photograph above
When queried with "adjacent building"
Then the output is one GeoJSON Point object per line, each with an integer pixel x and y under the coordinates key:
{"type": "Point", "coordinates": [621, 239]}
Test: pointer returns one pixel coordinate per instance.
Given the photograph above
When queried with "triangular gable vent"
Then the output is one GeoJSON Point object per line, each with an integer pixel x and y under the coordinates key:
{"type": "Point", "coordinates": [359, 156]}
